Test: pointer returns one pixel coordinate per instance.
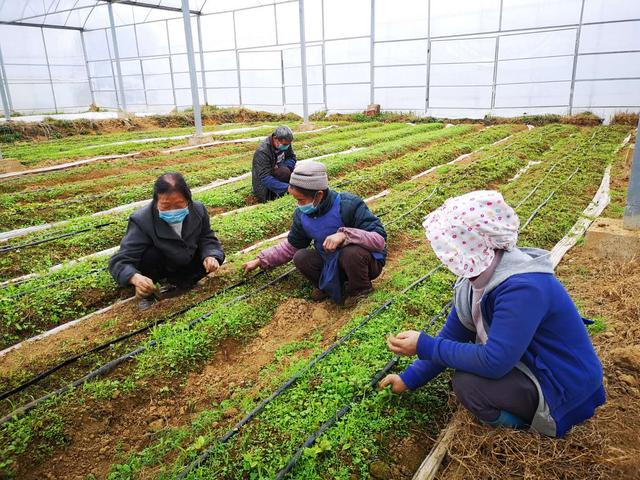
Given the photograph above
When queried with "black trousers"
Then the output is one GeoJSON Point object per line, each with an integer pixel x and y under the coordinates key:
{"type": "Point", "coordinates": [357, 264]}
{"type": "Point", "coordinates": [485, 398]}
{"type": "Point", "coordinates": [155, 266]}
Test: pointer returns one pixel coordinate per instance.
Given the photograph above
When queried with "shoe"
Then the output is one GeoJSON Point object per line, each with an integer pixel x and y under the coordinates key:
{"type": "Point", "coordinates": [146, 303]}
{"type": "Point", "coordinates": [317, 295]}
{"type": "Point", "coordinates": [353, 298]}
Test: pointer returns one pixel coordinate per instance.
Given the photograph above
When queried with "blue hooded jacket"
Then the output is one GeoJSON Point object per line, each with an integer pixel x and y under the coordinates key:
{"type": "Point", "coordinates": [532, 324]}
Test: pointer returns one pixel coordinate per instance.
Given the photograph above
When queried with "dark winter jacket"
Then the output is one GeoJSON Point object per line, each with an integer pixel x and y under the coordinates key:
{"type": "Point", "coordinates": [354, 213]}
{"type": "Point", "coordinates": [146, 229]}
{"type": "Point", "coordinates": [265, 186]}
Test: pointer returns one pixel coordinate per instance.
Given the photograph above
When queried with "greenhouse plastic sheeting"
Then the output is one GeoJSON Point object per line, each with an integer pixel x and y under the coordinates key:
{"type": "Point", "coordinates": [434, 57]}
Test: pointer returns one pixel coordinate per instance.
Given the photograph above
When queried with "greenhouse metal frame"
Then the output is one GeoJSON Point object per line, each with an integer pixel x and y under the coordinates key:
{"type": "Point", "coordinates": [587, 63]}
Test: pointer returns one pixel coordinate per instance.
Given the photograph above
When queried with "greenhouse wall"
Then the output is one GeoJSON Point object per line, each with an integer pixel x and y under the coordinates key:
{"type": "Point", "coordinates": [430, 57]}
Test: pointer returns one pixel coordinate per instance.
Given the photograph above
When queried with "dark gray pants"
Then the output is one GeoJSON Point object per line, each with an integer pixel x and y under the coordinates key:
{"type": "Point", "coordinates": [485, 398]}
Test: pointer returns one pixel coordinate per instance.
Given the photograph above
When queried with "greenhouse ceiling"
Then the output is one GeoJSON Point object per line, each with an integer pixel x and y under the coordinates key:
{"type": "Point", "coordinates": [92, 14]}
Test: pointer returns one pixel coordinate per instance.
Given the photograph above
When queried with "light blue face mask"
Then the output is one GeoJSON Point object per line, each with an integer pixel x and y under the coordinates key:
{"type": "Point", "coordinates": [283, 148]}
{"type": "Point", "coordinates": [174, 216]}
{"type": "Point", "coordinates": [307, 209]}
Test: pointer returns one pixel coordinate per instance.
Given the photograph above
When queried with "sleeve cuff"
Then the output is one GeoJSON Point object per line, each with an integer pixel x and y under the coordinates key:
{"type": "Point", "coordinates": [127, 272]}
{"type": "Point", "coordinates": [426, 346]}
{"type": "Point", "coordinates": [347, 239]}
{"type": "Point", "coordinates": [410, 379]}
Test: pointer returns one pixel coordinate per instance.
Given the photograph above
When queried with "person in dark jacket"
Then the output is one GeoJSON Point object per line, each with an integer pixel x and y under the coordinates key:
{"type": "Point", "coordinates": [520, 350]}
{"type": "Point", "coordinates": [170, 238]}
{"type": "Point", "coordinates": [273, 162]}
{"type": "Point", "coordinates": [349, 240]}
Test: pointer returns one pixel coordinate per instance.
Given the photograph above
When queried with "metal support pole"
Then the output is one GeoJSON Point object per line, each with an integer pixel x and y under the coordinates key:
{"type": "Point", "coordinates": [495, 60]}
{"type": "Point", "coordinates": [235, 47]}
{"type": "Point", "coordinates": [324, 59]}
{"type": "Point", "coordinates": [284, 93]}
{"type": "Point", "coordinates": [46, 56]}
{"type": "Point", "coordinates": [575, 59]}
{"type": "Point", "coordinates": [173, 84]}
{"type": "Point", "coordinates": [303, 62]}
{"type": "Point", "coordinates": [116, 53]}
{"type": "Point", "coordinates": [5, 103]}
{"type": "Point", "coordinates": [193, 76]}
{"type": "Point", "coordinates": [632, 211]}
{"type": "Point", "coordinates": [372, 33]}
{"type": "Point", "coordinates": [3, 72]}
{"type": "Point", "coordinates": [86, 63]}
{"type": "Point", "coordinates": [144, 82]}
{"type": "Point", "coordinates": [202, 69]}
{"type": "Point", "coordinates": [113, 73]}
{"type": "Point", "coordinates": [428, 79]}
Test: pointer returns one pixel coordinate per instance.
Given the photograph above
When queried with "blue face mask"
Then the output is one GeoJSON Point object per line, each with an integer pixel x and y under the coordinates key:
{"type": "Point", "coordinates": [308, 208]}
{"type": "Point", "coordinates": [283, 148]}
{"type": "Point", "coordinates": [174, 216]}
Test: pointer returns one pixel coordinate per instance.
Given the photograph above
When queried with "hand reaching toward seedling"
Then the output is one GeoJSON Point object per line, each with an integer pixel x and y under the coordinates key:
{"type": "Point", "coordinates": [397, 384]}
{"type": "Point", "coordinates": [404, 343]}
{"type": "Point", "coordinates": [251, 265]}
{"type": "Point", "coordinates": [211, 265]}
{"type": "Point", "coordinates": [333, 242]}
{"type": "Point", "coordinates": [144, 285]}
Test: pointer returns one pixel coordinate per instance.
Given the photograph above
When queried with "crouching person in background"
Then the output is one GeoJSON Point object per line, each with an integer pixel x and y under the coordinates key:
{"type": "Point", "coordinates": [520, 350]}
{"type": "Point", "coordinates": [169, 239]}
{"type": "Point", "coordinates": [349, 240]}
{"type": "Point", "coordinates": [273, 162]}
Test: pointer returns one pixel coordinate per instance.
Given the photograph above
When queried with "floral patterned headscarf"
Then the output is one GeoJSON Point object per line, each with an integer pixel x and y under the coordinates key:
{"type": "Point", "coordinates": [466, 230]}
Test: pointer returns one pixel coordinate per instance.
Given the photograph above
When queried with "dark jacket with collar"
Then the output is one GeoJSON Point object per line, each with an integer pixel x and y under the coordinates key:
{"type": "Point", "coordinates": [145, 229]}
{"type": "Point", "coordinates": [353, 211]}
{"type": "Point", "coordinates": [265, 158]}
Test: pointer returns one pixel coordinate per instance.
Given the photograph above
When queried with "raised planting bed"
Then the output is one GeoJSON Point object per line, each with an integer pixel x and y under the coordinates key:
{"type": "Point", "coordinates": [180, 397]}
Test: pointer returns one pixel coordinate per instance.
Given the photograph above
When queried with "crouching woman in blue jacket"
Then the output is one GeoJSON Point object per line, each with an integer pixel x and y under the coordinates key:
{"type": "Point", "coordinates": [520, 350]}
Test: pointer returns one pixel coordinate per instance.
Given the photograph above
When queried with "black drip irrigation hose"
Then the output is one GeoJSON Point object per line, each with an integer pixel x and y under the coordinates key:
{"type": "Point", "coordinates": [414, 208]}
{"type": "Point", "coordinates": [546, 200]}
{"type": "Point", "coordinates": [417, 190]}
{"type": "Point", "coordinates": [47, 285]}
{"type": "Point", "coordinates": [9, 248]}
{"type": "Point", "coordinates": [202, 458]}
{"type": "Point", "coordinates": [107, 367]}
{"type": "Point", "coordinates": [32, 381]}
{"type": "Point", "coordinates": [537, 186]}
{"type": "Point", "coordinates": [344, 410]}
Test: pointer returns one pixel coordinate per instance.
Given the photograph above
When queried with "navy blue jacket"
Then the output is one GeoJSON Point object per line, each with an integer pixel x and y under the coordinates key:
{"type": "Point", "coordinates": [265, 186]}
{"type": "Point", "coordinates": [353, 211]}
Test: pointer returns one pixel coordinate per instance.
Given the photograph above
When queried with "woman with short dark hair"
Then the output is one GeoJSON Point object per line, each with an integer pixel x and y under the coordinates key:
{"type": "Point", "coordinates": [169, 239]}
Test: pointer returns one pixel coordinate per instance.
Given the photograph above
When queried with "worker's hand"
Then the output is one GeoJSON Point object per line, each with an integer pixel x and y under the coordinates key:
{"type": "Point", "coordinates": [332, 242]}
{"type": "Point", "coordinates": [144, 285]}
{"type": "Point", "coordinates": [405, 343]}
{"type": "Point", "coordinates": [251, 265]}
{"type": "Point", "coordinates": [211, 265]}
{"type": "Point", "coordinates": [397, 384]}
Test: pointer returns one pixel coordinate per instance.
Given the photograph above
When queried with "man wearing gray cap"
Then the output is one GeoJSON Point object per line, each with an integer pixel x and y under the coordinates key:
{"type": "Point", "coordinates": [349, 240]}
{"type": "Point", "coordinates": [273, 163]}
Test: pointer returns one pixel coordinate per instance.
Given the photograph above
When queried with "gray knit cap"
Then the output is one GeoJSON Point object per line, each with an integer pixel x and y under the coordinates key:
{"type": "Point", "coordinates": [310, 175]}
